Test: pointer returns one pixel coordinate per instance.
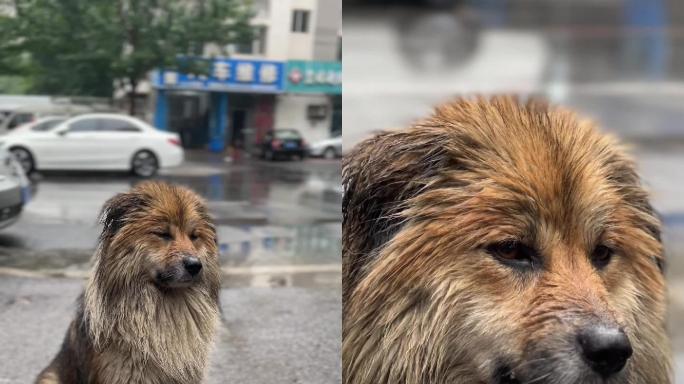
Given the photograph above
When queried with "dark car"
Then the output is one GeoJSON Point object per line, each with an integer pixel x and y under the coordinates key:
{"type": "Point", "coordinates": [281, 143]}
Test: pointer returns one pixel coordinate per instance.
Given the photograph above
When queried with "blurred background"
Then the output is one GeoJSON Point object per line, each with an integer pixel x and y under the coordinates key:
{"type": "Point", "coordinates": [239, 100]}
{"type": "Point", "coordinates": [620, 62]}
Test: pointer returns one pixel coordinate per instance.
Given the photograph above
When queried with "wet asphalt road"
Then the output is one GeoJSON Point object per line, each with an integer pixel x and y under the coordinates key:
{"type": "Point", "coordinates": [267, 213]}
{"type": "Point", "coordinates": [287, 335]}
{"type": "Point", "coordinates": [279, 227]}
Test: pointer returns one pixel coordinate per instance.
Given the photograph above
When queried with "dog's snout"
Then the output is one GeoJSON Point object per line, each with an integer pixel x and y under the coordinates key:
{"type": "Point", "coordinates": [605, 349]}
{"type": "Point", "coordinates": [192, 264]}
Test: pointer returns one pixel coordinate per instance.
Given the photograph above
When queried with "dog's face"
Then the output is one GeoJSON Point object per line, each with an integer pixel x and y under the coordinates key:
{"type": "Point", "coordinates": [551, 281]}
{"type": "Point", "coordinates": [163, 235]}
{"type": "Point", "coordinates": [180, 243]}
{"type": "Point", "coordinates": [520, 249]}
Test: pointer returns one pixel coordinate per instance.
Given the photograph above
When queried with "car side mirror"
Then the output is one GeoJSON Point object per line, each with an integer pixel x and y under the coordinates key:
{"type": "Point", "coordinates": [62, 132]}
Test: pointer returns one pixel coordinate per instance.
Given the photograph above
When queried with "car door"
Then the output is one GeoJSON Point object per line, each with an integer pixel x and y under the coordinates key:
{"type": "Point", "coordinates": [119, 138]}
{"type": "Point", "coordinates": [67, 147]}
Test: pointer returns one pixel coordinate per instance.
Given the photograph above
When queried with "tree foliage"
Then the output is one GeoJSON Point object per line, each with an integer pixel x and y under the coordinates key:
{"type": "Point", "coordinates": [84, 47]}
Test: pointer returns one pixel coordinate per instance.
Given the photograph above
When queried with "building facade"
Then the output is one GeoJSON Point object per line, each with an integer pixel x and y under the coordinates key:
{"type": "Point", "coordinates": [289, 76]}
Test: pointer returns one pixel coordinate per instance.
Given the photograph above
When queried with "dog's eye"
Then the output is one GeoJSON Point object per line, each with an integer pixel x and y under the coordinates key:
{"type": "Point", "coordinates": [163, 235]}
{"type": "Point", "coordinates": [513, 253]}
{"type": "Point", "coordinates": [601, 256]}
{"type": "Point", "coordinates": [193, 236]}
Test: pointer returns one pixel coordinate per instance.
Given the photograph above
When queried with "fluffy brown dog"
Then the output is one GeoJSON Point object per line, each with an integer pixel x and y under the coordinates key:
{"type": "Point", "coordinates": [150, 308]}
{"type": "Point", "coordinates": [500, 242]}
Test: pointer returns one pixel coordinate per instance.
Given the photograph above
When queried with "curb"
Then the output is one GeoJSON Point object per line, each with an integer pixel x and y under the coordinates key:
{"type": "Point", "coordinates": [226, 271]}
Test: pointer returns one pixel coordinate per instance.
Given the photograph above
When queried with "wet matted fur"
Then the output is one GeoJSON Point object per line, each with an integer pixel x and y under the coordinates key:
{"type": "Point", "coordinates": [143, 318]}
{"type": "Point", "coordinates": [478, 242]}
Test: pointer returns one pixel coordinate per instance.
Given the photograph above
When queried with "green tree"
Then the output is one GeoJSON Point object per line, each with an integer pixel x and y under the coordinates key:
{"type": "Point", "coordinates": [82, 47]}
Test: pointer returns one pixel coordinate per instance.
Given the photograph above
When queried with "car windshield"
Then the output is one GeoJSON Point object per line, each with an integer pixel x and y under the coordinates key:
{"type": "Point", "coordinates": [46, 125]}
{"type": "Point", "coordinates": [287, 134]}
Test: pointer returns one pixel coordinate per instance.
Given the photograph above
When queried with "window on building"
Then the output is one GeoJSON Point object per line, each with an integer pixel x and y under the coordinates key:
{"type": "Point", "coordinates": [300, 21]}
{"type": "Point", "coordinates": [261, 8]}
{"type": "Point", "coordinates": [339, 48]}
{"type": "Point", "coordinates": [317, 112]}
{"type": "Point", "coordinates": [260, 40]}
{"type": "Point", "coordinates": [256, 46]}
{"type": "Point", "coordinates": [244, 48]}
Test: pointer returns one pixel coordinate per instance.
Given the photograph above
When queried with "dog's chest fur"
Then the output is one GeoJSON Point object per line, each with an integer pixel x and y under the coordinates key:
{"type": "Point", "coordinates": [163, 339]}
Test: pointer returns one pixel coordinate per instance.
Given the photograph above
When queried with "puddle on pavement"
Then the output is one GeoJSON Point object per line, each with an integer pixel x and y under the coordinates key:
{"type": "Point", "coordinates": [283, 215]}
{"type": "Point", "coordinates": [272, 245]}
{"type": "Point", "coordinates": [49, 259]}
{"type": "Point", "coordinates": [277, 279]}
{"type": "Point", "coordinates": [260, 256]}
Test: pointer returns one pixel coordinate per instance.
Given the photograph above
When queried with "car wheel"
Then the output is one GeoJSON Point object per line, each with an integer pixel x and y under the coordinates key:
{"type": "Point", "coordinates": [24, 157]}
{"type": "Point", "coordinates": [329, 153]}
{"type": "Point", "coordinates": [144, 164]}
{"type": "Point", "coordinates": [269, 155]}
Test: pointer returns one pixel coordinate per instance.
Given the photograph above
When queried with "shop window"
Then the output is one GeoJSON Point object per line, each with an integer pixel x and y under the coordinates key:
{"type": "Point", "coordinates": [300, 21]}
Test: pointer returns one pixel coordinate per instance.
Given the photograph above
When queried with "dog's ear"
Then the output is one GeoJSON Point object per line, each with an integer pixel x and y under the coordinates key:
{"type": "Point", "coordinates": [379, 176]}
{"type": "Point", "coordinates": [116, 211]}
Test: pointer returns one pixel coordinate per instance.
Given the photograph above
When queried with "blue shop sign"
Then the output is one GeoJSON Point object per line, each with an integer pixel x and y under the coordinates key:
{"type": "Point", "coordinates": [227, 75]}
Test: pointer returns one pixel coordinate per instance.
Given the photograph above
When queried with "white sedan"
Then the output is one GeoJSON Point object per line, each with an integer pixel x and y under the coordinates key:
{"type": "Point", "coordinates": [96, 142]}
{"type": "Point", "coordinates": [328, 148]}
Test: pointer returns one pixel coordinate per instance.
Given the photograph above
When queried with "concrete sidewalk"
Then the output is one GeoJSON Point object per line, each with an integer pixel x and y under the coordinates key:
{"type": "Point", "coordinates": [269, 335]}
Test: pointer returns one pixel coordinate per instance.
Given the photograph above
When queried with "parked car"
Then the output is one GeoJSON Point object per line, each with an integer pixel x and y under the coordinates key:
{"type": "Point", "coordinates": [15, 189]}
{"type": "Point", "coordinates": [3, 114]}
{"type": "Point", "coordinates": [22, 115]}
{"type": "Point", "coordinates": [40, 125]}
{"type": "Point", "coordinates": [283, 143]}
{"type": "Point", "coordinates": [328, 148]}
{"type": "Point", "coordinates": [96, 142]}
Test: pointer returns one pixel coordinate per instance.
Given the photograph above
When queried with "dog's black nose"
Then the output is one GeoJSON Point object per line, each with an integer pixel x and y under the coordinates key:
{"type": "Point", "coordinates": [192, 265]}
{"type": "Point", "coordinates": [606, 349]}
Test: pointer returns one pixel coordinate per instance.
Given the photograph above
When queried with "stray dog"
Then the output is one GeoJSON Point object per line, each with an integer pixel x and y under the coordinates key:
{"type": "Point", "coordinates": [500, 242]}
{"type": "Point", "coordinates": [150, 308]}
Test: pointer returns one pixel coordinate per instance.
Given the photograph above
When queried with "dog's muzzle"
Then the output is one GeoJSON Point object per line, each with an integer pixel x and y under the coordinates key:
{"type": "Point", "coordinates": [594, 353]}
{"type": "Point", "coordinates": [182, 274]}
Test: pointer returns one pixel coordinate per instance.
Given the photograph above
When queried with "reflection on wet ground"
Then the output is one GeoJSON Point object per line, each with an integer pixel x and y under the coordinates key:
{"type": "Point", "coordinates": [270, 245]}
{"type": "Point", "coordinates": [278, 223]}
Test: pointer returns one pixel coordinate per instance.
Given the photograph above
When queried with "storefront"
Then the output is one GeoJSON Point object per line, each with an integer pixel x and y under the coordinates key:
{"type": "Point", "coordinates": [218, 109]}
{"type": "Point", "coordinates": [312, 102]}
